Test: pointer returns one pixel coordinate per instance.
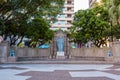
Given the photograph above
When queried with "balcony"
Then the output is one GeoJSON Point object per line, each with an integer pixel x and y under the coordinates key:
{"type": "Point", "coordinates": [61, 26]}
{"type": "Point", "coordinates": [68, 5]}
{"type": "Point", "coordinates": [66, 18]}
{"type": "Point", "coordinates": [68, 12]}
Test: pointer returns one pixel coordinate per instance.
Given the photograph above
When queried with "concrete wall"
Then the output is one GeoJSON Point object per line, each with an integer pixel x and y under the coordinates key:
{"type": "Point", "coordinates": [21, 52]}
{"type": "Point", "coordinates": [99, 52]}
{"type": "Point", "coordinates": [88, 52]}
{"type": "Point", "coordinates": [3, 52]}
{"type": "Point", "coordinates": [116, 51]}
{"type": "Point", "coordinates": [74, 52]}
{"type": "Point", "coordinates": [32, 52]}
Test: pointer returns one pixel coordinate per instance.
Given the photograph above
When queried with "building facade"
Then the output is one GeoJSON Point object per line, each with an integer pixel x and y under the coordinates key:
{"type": "Point", "coordinates": [66, 17]}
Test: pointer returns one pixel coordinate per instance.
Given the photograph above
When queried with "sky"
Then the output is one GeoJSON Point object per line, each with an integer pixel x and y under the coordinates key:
{"type": "Point", "coordinates": [80, 4]}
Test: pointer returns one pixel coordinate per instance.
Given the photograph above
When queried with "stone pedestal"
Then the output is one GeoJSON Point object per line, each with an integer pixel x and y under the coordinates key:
{"type": "Point", "coordinates": [116, 51]}
{"type": "Point", "coordinates": [109, 55]}
{"type": "Point", "coordinates": [11, 59]}
{"type": "Point", "coordinates": [60, 55]}
{"type": "Point", "coordinates": [3, 52]}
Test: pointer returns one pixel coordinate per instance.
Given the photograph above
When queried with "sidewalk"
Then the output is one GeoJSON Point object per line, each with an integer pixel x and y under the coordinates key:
{"type": "Point", "coordinates": [59, 72]}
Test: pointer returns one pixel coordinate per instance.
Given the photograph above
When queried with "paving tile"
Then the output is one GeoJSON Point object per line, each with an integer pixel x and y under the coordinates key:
{"type": "Point", "coordinates": [59, 72]}
{"type": "Point", "coordinates": [58, 75]}
{"type": "Point", "coordinates": [116, 72]}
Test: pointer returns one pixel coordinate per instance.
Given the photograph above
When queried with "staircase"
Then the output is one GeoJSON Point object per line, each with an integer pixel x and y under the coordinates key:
{"type": "Point", "coordinates": [88, 58]}
{"type": "Point", "coordinates": [73, 60]}
{"type": "Point", "coordinates": [31, 58]}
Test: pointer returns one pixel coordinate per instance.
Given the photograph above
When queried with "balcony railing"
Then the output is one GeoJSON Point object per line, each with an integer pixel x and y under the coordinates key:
{"type": "Point", "coordinates": [67, 18]}
{"type": "Point", "coordinates": [58, 25]}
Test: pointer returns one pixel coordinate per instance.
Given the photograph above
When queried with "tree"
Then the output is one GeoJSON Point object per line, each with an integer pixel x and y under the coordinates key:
{"type": "Point", "coordinates": [114, 14]}
{"type": "Point", "coordinates": [39, 31]}
{"type": "Point", "coordinates": [114, 11]}
{"type": "Point", "coordinates": [91, 25]}
{"type": "Point", "coordinates": [16, 15]}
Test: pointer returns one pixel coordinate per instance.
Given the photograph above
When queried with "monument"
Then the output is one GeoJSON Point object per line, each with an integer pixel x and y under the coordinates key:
{"type": "Point", "coordinates": [60, 45]}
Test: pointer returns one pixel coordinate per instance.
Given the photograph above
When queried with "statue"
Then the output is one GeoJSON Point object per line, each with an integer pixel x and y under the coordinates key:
{"type": "Point", "coordinates": [60, 44]}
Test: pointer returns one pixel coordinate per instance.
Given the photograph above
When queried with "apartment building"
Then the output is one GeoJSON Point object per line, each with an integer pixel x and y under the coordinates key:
{"type": "Point", "coordinates": [66, 17]}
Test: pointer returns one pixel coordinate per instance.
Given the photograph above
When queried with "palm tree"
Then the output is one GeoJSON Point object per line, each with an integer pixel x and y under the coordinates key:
{"type": "Point", "coordinates": [114, 11]}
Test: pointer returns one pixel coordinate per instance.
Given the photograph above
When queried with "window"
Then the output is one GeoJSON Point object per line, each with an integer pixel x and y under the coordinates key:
{"type": "Point", "coordinates": [69, 15]}
{"type": "Point", "coordinates": [69, 2]}
{"type": "Point", "coordinates": [62, 16]}
{"type": "Point", "coordinates": [69, 9]}
{"type": "Point", "coordinates": [63, 9]}
{"type": "Point", "coordinates": [56, 22]}
{"type": "Point", "coordinates": [64, 29]}
{"type": "Point", "coordinates": [69, 22]}
{"type": "Point", "coordinates": [62, 22]}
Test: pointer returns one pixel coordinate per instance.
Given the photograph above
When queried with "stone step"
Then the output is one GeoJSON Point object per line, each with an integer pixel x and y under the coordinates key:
{"type": "Point", "coordinates": [73, 60]}
{"type": "Point", "coordinates": [88, 58]}
{"type": "Point", "coordinates": [62, 62]}
{"type": "Point", "coordinates": [31, 58]}
{"type": "Point", "coordinates": [61, 58]}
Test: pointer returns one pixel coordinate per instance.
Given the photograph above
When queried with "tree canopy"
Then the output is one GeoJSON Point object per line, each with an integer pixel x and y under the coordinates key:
{"type": "Point", "coordinates": [91, 25]}
{"type": "Point", "coordinates": [18, 17]}
{"type": "Point", "coordinates": [114, 11]}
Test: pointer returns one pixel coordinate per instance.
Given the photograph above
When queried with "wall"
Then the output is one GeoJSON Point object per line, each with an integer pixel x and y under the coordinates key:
{"type": "Point", "coordinates": [116, 51]}
{"type": "Point", "coordinates": [32, 52]}
{"type": "Point", "coordinates": [3, 52]}
{"type": "Point", "coordinates": [99, 52]}
{"type": "Point", "coordinates": [88, 52]}
{"type": "Point", "coordinates": [74, 52]}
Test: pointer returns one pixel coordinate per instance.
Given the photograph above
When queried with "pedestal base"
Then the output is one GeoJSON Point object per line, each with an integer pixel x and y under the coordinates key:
{"type": "Point", "coordinates": [60, 55]}
{"type": "Point", "coordinates": [11, 59]}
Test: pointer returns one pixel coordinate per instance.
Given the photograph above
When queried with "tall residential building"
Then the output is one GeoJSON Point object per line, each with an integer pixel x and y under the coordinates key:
{"type": "Point", "coordinates": [91, 2]}
{"type": "Point", "coordinates": [66, 17]}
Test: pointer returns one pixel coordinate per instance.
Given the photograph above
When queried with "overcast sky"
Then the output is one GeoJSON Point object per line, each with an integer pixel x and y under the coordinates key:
{"type": "Point", "coordinates": [80, 4]}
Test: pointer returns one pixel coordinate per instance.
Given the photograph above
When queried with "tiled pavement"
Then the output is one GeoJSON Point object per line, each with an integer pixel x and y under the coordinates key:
{"type": "Point", "coordinates": [59, 72]}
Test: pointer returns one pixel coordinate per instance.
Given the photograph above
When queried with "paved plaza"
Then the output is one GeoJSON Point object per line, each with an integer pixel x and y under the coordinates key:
{"type": "Point", "coordinates": [59, 72]}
